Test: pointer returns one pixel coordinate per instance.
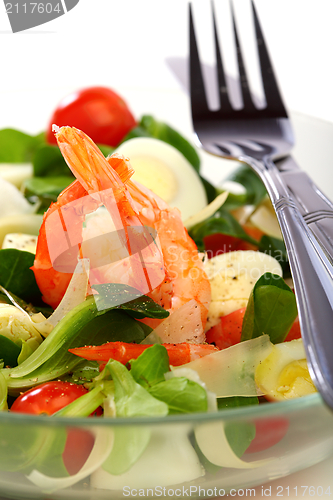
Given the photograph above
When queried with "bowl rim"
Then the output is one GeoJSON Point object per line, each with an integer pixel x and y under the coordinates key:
{"type": "Point", "coordinates": [266, 410]}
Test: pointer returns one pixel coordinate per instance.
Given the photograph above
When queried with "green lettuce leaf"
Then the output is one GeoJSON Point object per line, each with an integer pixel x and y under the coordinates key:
{"type": "Point", "coordinates": [271, 309]}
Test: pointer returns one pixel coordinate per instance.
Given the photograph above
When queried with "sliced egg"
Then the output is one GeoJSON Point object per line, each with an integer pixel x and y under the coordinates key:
{"type": "Point", "coordinates": [165, 171]}
{"type": "Point", "coordinates": [232, 276]}
{"type": "Point", "coordinates": [284, 373]}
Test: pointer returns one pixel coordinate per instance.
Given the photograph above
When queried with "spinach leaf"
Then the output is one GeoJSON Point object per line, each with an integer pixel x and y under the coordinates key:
{"type": "Point", "coordinates": [149, 368]}
{"type": "Point", "coordinates": [9, 351]}
{"type": "Point", "coordinates": [49, 162]}
{"type": "Point", "coordinates": [129, 299]}
{"type": "Point", "coordinates": [106, 150]}
{"type": "Point", "coordinates": [47, 189]}
{"type": "Point", "coordinates": [16, 275]}
{"type": "Point", "coordinates": [277, 249]}
{"type": "Point", "coordinates": [181, 395]}
{"type": "Point", "coordinates": [239, 434]}
{"type": "Point", "coordinates": [211, 191]}
{"type": "Point", "coordinates": [117, 326]}
{"type": "Point", "coordinates": [221, 222]}
{"type": "Point", "coordinates": [271, 309]}
{"type": "Point", "coordinates": [255, 189]}
{"type": "Point", "coordinates": [18, 147]}
{"type": "Point", "coordinates": [84, 372]}
{"type": "Point", "coordinates": [149, 127]}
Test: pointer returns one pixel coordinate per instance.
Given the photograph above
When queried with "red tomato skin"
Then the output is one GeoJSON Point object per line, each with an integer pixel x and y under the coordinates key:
{"type": "Point", "coordinates": [50, 397]}
{"type": "Point", "coordinates": [99, 111]}
{"type": "Point", "coordinates": [269, 431]}
{"type": "Point", "coordinates": [218, 243]}
{"type": "Point", "coordinates": [294, 332]}
{"type": "Point", "coordinates": [77, 449]}
{"type": "Point", "coordinates": [228, 331]}
{"type": "Point", "coordinates": [47, 398]}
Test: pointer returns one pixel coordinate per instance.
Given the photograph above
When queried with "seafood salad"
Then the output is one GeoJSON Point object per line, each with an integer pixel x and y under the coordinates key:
{"type": "Point", "coordinates": [132, 287]}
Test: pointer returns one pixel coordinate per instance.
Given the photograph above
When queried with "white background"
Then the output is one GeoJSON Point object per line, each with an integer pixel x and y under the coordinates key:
{"type": "Point", "coordinates": [129, 44]}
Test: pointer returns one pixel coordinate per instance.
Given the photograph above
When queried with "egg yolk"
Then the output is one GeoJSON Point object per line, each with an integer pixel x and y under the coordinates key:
{"type": "Point", "coordinates": [295, 381]}
{"type": "Point", "coordinates": [155, 175]}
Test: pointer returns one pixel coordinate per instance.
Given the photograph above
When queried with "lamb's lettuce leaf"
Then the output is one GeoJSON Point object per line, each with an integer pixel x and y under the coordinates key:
{"type": "Point", "coordinates": [149, 368]}
{"type": "Point", "coordinates": [181, 395]}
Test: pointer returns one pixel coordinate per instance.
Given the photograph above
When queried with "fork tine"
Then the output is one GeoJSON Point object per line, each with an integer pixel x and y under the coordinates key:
{"type": "Point", "coordinates": [197, 89]}
{"type": "Point", "coordinates": [272, 93]}
{"type": "Point", "coordinates": [223, 89]}
{"type": "Point", "coordinates": [247, 99]}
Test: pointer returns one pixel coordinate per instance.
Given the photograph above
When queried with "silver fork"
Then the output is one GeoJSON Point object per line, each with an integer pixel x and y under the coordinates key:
{"type": "Point", "coordinates": [258, 137]}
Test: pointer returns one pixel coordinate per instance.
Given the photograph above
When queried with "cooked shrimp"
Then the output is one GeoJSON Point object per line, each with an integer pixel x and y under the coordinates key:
{"type": "Point", "coordinates": [167, 267]}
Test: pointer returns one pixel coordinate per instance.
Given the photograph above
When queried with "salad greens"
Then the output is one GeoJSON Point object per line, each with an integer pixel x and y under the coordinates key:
{"type": "Point", "coordinates": [271, 309]}
{"type": "Point", "coordinates": [16, 275]}
{"type": "Point", "coordinates": [222, 222]}
{"type": "Point", "coordinates": [17, 146]}
{"type": "Point", "coordinates": [52, 359]}
{"type": "Point", "coordinates": [255, 190]}
{"type": "Point", "coordinates": [146, 386]}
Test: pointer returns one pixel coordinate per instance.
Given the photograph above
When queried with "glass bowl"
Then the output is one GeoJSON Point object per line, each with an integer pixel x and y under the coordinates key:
{"type": "Point", "coordinates": [290, 435]}
{"type": "Point", "coordinates": [169, 464]}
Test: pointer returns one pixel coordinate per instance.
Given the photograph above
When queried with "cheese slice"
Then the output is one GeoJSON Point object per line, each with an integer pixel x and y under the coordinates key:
{"type": "Point", "coordinates": [20, 241]}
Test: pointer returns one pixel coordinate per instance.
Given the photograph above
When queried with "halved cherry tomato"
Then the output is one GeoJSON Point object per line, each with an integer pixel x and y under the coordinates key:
{"type": "Point", "coordinates": [218, 243]}
{"type": "Point", "coordinates": [269, 431]}
{"type": "Point", "coordinates": [179, 354]}
{"type": "Point", "coordinates": [101, 113]}
{"type": "Point", "coordinates": [50, 397]}
{"type": "Point", "coordinates": [228, 331]}
{"type": "Point", "coordinates": [294, 332]}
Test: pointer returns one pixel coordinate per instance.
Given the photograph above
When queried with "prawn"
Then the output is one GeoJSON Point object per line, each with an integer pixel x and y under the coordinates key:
{"type": "Point", "coordinates": [167, 266]}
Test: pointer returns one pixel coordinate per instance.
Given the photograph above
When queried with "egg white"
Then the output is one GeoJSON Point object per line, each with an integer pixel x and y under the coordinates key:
{"type": "Point", "coordinates": [165, 171]}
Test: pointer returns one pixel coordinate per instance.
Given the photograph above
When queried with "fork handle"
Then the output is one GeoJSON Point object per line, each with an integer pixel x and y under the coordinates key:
{"type": "Point", "coordinates": [315, 207]}
{"type": "Point", "coordinates": [312, 274]}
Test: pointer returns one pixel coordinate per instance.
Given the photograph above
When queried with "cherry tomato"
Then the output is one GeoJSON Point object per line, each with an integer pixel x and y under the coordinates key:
{"type": "Point", "coordinates": [269, 431]}
{"type": "Point", "coordinates": [50, 397]}
{"type": "Point", "coordinates": [98, 111]}
{"type": "Point", "coordinates": [294, 332]}
{"type": "Point", "coordinates": [218, 243]}
{"type": "Point", "coordinates": [228, 331]}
